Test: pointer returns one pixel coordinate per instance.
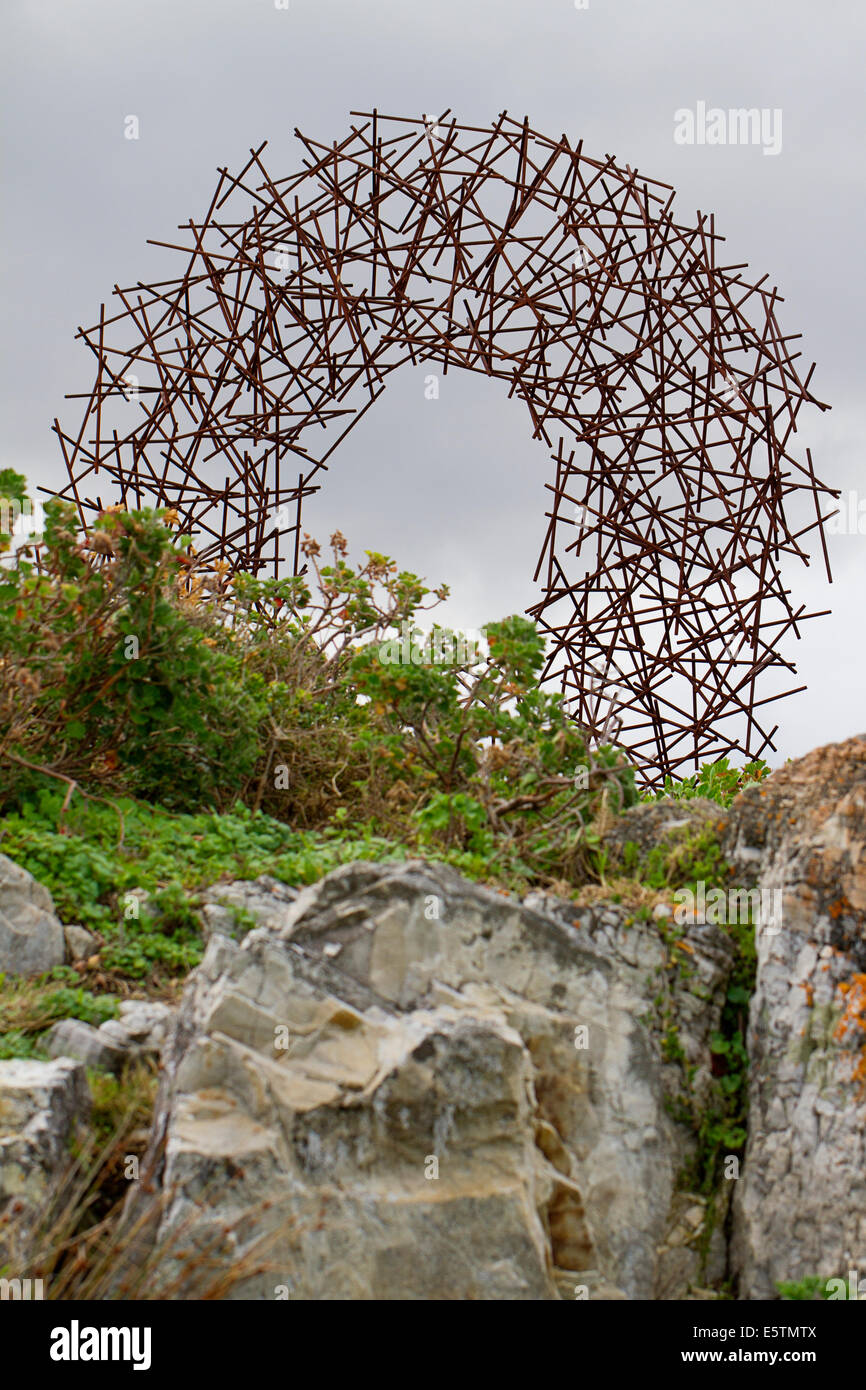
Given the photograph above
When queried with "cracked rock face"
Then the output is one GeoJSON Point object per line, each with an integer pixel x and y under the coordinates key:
{"type": "Point", "coordinates": [41, 1104]}
{"type": "Point", "coordinates": [410, 1086]}
{"type": "Point", "coordinates": [800, 1205]}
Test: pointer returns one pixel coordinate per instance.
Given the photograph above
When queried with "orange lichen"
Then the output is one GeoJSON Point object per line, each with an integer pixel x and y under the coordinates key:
{"type": "Point", "coordinates": [839, 907]}
{"type": "Point", "coordinates": [853, 1020]}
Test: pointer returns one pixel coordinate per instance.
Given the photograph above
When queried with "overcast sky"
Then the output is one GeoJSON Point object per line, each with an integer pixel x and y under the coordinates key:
{"type": "Point", "coordinates": [453, 488]}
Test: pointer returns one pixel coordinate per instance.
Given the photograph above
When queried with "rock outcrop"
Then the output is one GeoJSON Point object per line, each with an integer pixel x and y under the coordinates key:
{"type": "Point", "coordinates": [80, 943]}
{"type": "Point", "coordinates": [415, 1087]}
{"type": "Point", "coordinates": [41, 1104]}
{"type": "Point", "coordinates": [800, 1205]}
{"type": "Point", "coordinates": [398, 1084]}
{"type": "Point", "coordinates": [31, 934]}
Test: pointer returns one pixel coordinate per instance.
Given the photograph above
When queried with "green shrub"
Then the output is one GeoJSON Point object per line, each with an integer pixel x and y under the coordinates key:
{"type": "Point", "coordinates": [106, 681]}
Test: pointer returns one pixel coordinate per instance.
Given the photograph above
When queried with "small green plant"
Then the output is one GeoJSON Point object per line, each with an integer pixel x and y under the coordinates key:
{"type": "Point", "coordinates": [716, 781]}
{"type": "Point", "coordinates": [805, 1290]}
{"type": "Point", "coordinates": [121, 1103]}
{"type": "Point", "coordinates": [28, 1007]}
{"type": "Point", "coordinates": [719, 1126]}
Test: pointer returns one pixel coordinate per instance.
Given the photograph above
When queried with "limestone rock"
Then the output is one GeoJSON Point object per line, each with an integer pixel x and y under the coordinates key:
{"type": "Point", "coordinates": [137, 1034]}
{"type": "Point", "coordinates": [226, 907]}
{"type": "Point", "coordinates": [141, 1027]}
{"type": "Point", "coordinates": [684, 1265]}
{"type": "Point", "coordinates": [800, 1204]}
{"type": "Point", "coordinates": [31, 935]}
{"type": "Point", "coordinates": [72, 1038]}
{"type": "Point", "coordinates": [41, 1103]}
{"type": "Point", "coordinates": [415, 1087]}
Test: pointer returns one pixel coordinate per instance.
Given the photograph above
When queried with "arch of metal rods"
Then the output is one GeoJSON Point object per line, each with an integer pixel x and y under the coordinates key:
{"type": "Point", "coordinates": [658, 379]}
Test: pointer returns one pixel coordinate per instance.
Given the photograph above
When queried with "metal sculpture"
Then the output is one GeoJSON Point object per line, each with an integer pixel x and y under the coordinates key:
{"type": "Point", "coordinates": [659, 380]}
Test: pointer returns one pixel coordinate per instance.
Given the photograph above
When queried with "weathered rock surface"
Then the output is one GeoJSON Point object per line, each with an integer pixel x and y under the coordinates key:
{"type": "Point", "coordinates": [390, 1087]}
{"type": "Point", "coordinates": [141, 1027]}
{"type": "Point", "coordinates": [399, 1084]}
{"type": "Point", "coordinates": [31, 934]}
{"type": "Point", "coordinates": [41, 1103]}
{"type": "Point", "coordinates": [137, 1034]}
{"type": "Point", "coordinates": [232, 908]}
{"type": "Point", "coordinates": [800, 1205]}
{"type": "Point", "coordinates": [71, 1037]}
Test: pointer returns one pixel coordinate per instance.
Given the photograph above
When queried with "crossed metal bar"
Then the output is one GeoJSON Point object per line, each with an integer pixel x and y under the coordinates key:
{"type": "Point", "coordinates": [659, 380]}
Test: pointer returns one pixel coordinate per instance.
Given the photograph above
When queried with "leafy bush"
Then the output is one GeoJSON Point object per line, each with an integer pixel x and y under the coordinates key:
{"type": "Point", "coordinates": [493, 764]}
{"type": "Point", "coordinates": [290, 696]}
{"type": "Point", "coordinates": [105, 680]}
{"type": "Point", "coordinates": [130, 671]}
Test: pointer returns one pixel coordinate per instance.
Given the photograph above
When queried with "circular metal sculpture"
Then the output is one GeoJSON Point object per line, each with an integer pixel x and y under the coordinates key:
{"type": "Point", "coordinates": [658, 379]}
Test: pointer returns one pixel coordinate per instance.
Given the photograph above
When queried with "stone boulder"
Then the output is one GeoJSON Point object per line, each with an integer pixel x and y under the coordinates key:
{"type": "Point", "coordinates": [31, 934]}
{"type": "Point", "coordinates": [137, 1035]}
{"type": "Point", "coordinates": [411, 1086]}
{"type": "Point", "coordinates": [80, 943]}
{"type": "Point", "coordinates": [800, 1205]}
